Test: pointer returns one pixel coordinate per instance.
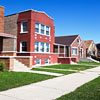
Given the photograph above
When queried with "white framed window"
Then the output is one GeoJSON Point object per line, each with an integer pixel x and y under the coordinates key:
{"type": "Point", "coordinates": [36, 27]}
{"type": "Point", "coordinates": [41, 47]}
{"type": "Point", "coordinates": [47, 47]}
{"type": "Point", "coordinates": [24, 27]}
{"type": "Point", "coordinates": [38, 61]}
{"type": "Point", "coordinates": [47, 61]}
{"type": "Point", "coordinates": [36, 46]}
{"type": "Point", "coordinates": [78, 40]}
{"type": "Point", "coordinates": [47, 30]}
{"type": "Point", "coordinates": [23, 46]}
{"type": "Point", "coordinates": [42, 29]}
{"type": "Point", "coordinates": [74, 51]}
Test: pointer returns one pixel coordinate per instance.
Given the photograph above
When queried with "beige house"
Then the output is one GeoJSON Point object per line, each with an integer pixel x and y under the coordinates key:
{"type": "Point", "coordinates": [91, 48]}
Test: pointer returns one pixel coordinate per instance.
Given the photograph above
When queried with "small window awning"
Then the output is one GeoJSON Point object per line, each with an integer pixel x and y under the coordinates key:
{"type": "Point", "coordinates": [7, 35]}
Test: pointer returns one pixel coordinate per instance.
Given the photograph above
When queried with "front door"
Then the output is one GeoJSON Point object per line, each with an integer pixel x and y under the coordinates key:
{"type": "Point", "coordinates": [81, 53]}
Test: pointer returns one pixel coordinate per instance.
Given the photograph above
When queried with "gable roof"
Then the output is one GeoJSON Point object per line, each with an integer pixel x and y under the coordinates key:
{"type": "Point", "coordinates": [88, 43]}
{"type": "Point", "coordinates": [98, 46]}
{"type": "Point", "coordinates": [66, 40]}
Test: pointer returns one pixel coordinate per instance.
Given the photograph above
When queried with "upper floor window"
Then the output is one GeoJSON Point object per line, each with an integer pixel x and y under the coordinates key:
{"type": "Point", "coordinates": [78, 40]}
{"type": "Point", "coordinates": [24, 27]}
{"type": "Point", "coordinates": [74, 51]}
{"type": "Point", "coordinates": [42, 29]}
{"type": "Point", "coordinates": [23, 46]}
{"type": "Point", "coordinates": [37, 27]}
{"type": "Point", "coordinates": [47, 30]}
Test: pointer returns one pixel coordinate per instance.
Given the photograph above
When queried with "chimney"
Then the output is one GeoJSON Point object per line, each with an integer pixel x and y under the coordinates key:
{"type": "Point", "coordinates": [1, 19]}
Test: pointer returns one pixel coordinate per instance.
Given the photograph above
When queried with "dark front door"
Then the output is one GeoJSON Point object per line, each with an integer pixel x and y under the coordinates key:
{"type": "Point", "coordinates": [1, 43]}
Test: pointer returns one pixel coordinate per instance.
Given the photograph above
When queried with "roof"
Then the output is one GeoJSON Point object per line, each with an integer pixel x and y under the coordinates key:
{"type": "Point", "coordinates": [30, 10]}
{"type": "Point", "coordinates": [7, 35]}
{"type": "Point", "coordinates": [66, 40]}
{"type": "Point", "coordinates": [88, 43]}
{"type": "Point", "coordinates": [98, 46]}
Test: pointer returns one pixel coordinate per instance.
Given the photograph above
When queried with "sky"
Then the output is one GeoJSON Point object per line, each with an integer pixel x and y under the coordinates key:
{"type": "Point", "coordinates": [71, 17]}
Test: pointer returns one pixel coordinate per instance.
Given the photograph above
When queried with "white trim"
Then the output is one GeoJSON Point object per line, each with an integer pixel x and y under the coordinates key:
{"type": "Point", "coordinates": [38, 52]}
{"type": "Point", "coordinates": [67, 57]}
{"type": "Point", "coordinates": [8, 36]}
{"type": "Point", "coordinates": [80, 52]}
{"type": "Point", "coordinates": [8, 52]}
{"type": "Point", "coordinates": [16, 56]}
{"type": "Point", "coordinates": [59, 44]}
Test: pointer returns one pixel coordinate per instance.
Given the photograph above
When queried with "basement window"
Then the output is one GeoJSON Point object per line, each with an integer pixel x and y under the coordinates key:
{"type": "Point", "coordinates": [46, 61]}
{"type": "Point", "coordinates": [38, 61]}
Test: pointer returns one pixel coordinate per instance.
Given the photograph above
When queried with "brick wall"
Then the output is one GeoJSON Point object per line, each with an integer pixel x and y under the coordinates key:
{"type": "Point", "coordinates": [64, 60]}
{"type": "Point", "coordinates": [9, 44]}
{"type": "Point", "coordinates": [1, 19]}
{"type": "Point", "coordinates": [10, 24]}
{"type": "Point", "coordinates": [9, 62]}
{"type": "Point", "coordinates": [26, 61]}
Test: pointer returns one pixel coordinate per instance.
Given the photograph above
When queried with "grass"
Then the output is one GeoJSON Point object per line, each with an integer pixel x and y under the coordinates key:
{"type": "Point", "coordinates": [71, 67]}
{"type": "Point", "coordinates": [89, 91]}
{"type": "Point", "coordinates": [10, 80]}
{"type": "Point", "coordinates": [54, 71]}
{"type": "Point", "coordinates": [88, 63]}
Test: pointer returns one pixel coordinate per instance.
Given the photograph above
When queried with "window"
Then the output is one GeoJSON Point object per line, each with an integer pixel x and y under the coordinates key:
{"type": "Point", "coordinates": [38, 61]}
{"type": "Point", "coordinates": [47, 30]}
{"type": "Point", "coordinates": [37, 27]}
{"type": "Point", "coordinates": [74, 51]}
{"type": "Point", "coordinates": [78, 40]}
{"type": "Point", "coordinates": [46, 61]}
{"type": "Point", "coordinates": [24, 26]}
{"type": "Point", "coordinates": [36, 46]}
{"type": "Point", "coordinates": [23, 46]}
{"type": "Point", "coordinates": [41, 47]}
{"type": "Point", "coordinates": [42, 29]}
{"type": "Point", "coordinates": [47, 47]}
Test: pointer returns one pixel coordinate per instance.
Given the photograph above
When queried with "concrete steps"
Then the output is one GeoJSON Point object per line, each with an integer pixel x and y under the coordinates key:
{"type": "Point", "coordinates": [18, 66]}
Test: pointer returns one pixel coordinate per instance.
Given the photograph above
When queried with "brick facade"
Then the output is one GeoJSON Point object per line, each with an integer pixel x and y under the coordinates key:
{"type": "Point", "coordinates": [1, 19]}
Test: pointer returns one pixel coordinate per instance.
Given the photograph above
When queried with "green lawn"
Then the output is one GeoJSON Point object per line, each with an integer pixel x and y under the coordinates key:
{"type": "Point", "coordinates": [72, 67]}
{"type": "Point", "coordinates": [89, 91]}
{"type": "Point", "coordinates": [10, 80]}
{"type": "Point", "coordinates": [88, 63]}
{"type": "Point", "coordinates": [54, 71]}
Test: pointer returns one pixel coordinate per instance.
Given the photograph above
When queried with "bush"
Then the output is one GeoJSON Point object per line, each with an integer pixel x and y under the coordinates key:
{"type": "Point", "coordinates": [96, 58]}
{"type": "Point", "coordinates": [2, 66]}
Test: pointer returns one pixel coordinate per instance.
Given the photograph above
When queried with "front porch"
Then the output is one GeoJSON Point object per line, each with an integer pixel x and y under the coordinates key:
{"type": "Point", "coordinates": [7, 45]}
{"type": "Point", "coordinates": [63, 52]}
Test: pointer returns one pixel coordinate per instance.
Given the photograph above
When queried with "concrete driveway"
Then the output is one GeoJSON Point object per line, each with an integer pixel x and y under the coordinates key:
{"type": "Point", "coordinates": [52, 88]}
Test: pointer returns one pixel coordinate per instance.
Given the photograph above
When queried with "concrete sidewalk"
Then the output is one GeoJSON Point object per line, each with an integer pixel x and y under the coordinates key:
{"type": "Point", "coordinates": [52, 88]}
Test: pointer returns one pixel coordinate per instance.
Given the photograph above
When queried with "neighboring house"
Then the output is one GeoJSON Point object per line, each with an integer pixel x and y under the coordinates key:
{"type": "Point", "coordinates": [91, 48]}
{"type": "Point", "coordinates": [35, 33]}
{"type": "Point", "coordinates": [70, 46]}
{"type": "Point", "coordinates": [98, 49]}
{"type": "Point", "coordinates": [7, 41]}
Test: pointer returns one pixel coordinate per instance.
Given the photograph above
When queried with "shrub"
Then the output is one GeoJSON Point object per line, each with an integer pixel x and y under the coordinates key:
{"type": "Point", "coordinates": [96, 58]}
{"type": "Point", "coordinates": [2, 66]}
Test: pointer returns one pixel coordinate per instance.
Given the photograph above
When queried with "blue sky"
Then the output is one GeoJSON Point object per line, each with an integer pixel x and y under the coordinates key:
{"type": "Point", "coordinates": [70, 16]}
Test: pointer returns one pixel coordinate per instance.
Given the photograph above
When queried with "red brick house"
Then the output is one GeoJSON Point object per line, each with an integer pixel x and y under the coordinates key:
{"type": "Point", "coordinates": [29, 37]}
{"type": "Point", "coordinates": [35, 33]}
{"type": "Point", "coordinates": [70, 47]}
